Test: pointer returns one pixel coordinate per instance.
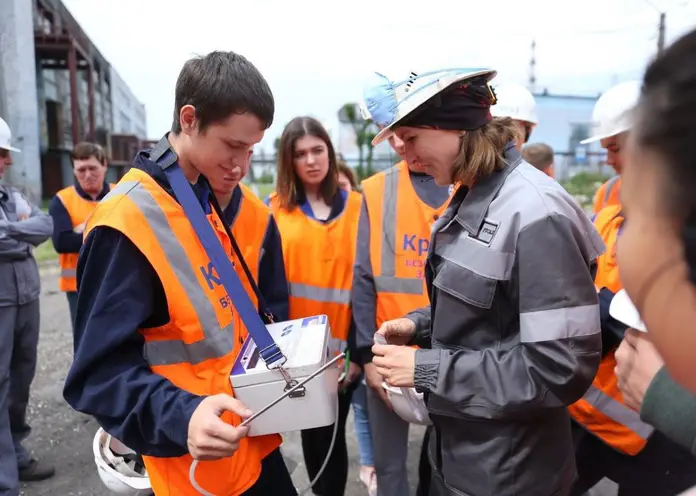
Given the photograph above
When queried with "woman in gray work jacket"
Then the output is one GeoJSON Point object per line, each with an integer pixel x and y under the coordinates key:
{"type": "Point", "coordinates": [512, 335]}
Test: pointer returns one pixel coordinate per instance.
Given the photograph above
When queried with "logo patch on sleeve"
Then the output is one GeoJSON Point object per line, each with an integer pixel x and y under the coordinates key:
{"type": "Point", "coordinates": [487, 232]}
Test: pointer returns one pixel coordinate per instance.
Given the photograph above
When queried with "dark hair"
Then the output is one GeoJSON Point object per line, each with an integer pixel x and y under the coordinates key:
{"type": "Point", "coordinates": [219, 85]}
{"type": "Point", "coordinates": [666, 120]}
{"type": "Point", "coordinates": [347, 171]}
{"type": "Point", "coordinates": [86, 150]}
{"type": "Point", "coordinates": [540, 155]}
{"type": "Point", "coordinates": [288, 184]}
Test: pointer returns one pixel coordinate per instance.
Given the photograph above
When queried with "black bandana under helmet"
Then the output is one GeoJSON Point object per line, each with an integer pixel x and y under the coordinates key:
{"type": "Point", "coordinates": [462, 107]}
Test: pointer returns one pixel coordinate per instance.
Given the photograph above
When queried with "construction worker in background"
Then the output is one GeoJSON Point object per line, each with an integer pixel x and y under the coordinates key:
{"type": "Point", "coordinates": [318, 223]}
{"type": "Point", "coordinates": [516, 102]}
{"type": "Point", "coordinates": [70, 209]}
{"type": "Point", "coordinates": [399, 206]}
{"type": "Point", "coordinates": [541, 156]}
{"type": "Point", "coordinates": [346, 177]}
{"type": "Point", "coordinates": [611, 439]}
{"type": "Point", "coordinates": [256, 233]}
{"type": "Point", "coordinates": [22, 227]}
{"type": "Point", "coordinates": [155, 337]}
{"type": "Point", "coordinates": [610, 121]}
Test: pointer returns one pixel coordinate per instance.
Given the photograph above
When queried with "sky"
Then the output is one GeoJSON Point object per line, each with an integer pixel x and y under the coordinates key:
{"type": "Point", "coordinates": [316, 55]}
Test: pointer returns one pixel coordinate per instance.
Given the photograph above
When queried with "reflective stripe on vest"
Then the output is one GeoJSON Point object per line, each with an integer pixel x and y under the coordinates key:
{"type": "Point", "coordinates": [618, 412]}
{"type": "Point", "coordinates": [319, 294]}
{"type": "Point", "coordinates": [387, 282]}
{"type": "Point", "coordinates": [609, 189]}
{"type": "Point", "coordinates": [400, 224]}
{"type": "Point", "coordinates": [319, 260]}
{"type": "Point", "coordinates": [217, 342]}
{"type": "Point", "coordinates": [68, 274]}
{"type": "Point", "coordinates": [196, 349]}
{"type": "Point", "coordinates": [608, 194]}
{"type": "Point", "coordinates": [601, 410]}
{"type": "Point", "coordinates": [79, 209]}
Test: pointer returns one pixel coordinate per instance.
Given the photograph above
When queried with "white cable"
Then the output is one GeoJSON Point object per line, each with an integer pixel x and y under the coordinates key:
{"type": "Point", "coordinates": [203, 492]}
{"type": "Point", "coordinates": [328, 455]}
{"type": "Point", "coordinates": [192, 479]}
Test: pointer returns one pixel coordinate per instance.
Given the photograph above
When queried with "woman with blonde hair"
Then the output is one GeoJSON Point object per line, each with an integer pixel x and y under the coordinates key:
{"type": "Point", "coordinates": [512, 334]}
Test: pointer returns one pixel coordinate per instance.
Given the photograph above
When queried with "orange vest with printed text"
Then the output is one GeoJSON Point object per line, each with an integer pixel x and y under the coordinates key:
{"type": "Point", "coordinates": [607, 195]}
{"type": "Point", "coordinates": [197, 348]}
{"type": "Point", "coordinates": [249, 228]}
{"type": "Point", "coordinates": [601, 410]}
{"type": "Point", "coordinates": [319, 260]}
{"type": "Point", "coordinates": [79, 209]}
{"type": "Point", "coordinates": [400, 225]}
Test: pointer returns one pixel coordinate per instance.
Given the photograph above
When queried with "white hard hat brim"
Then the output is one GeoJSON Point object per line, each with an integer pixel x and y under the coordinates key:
{"type": "Point", "coordinates": [10, 148]}
{"type": "Point", "coordinates": [623, 310]}
{"type": "Point", "coordinates": [594, 139]}
{"type": "Point", "coordinates": [446, 82]}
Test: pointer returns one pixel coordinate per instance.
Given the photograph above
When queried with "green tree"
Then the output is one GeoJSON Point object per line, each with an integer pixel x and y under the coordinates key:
{"type": "Point", "coordinates": [364, 133]}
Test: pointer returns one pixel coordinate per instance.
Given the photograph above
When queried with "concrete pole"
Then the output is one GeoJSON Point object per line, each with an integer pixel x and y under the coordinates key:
{"type": "Point", "coordinates": [19, 96]}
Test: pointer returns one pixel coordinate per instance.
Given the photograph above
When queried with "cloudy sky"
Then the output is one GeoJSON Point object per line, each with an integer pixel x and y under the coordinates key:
{"type": "Point", "coordinates": [317, 54]}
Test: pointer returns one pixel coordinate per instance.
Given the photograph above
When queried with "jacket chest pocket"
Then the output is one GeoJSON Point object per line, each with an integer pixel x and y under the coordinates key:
{"type": "Point", "coordinates": [465, 285]}
{"type": "Point", "coordinates": [470, 271]}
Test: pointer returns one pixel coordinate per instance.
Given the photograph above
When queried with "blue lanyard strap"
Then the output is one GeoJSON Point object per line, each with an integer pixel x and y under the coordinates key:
{"type": "Point", "coordinates": [269, 350]}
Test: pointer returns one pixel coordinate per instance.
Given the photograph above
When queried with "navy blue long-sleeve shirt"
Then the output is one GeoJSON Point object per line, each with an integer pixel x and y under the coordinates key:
{"type": "Point", "coordinates": [65, 240]}
{"type": "Point", "coordinates": [119, 293]}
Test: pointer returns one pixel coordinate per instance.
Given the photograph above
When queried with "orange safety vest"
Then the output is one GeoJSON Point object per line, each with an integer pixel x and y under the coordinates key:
{"type": "Point", "coordinates": [607, 194]}
{"type": "Point", "coordinates": [197, 348]}
{"type": "Point", "coordinates": [79, 209]}
{"type": "Point", "coordinates": [249, 228]}
{"type": "Point", "coordinates": [399, 238]}
{"type": "Point", "coordinates": [319, 260]}
{"type": "Point", "coordinates": [602, 410]}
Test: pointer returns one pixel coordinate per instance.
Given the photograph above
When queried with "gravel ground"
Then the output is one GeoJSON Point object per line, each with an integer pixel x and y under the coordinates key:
{"type": "Point", "coordinates": [64, 438]}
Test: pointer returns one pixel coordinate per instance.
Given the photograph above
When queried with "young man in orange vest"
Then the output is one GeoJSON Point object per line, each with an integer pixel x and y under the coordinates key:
{"type": "Point", "coordinates": [70, 209]}
{"type": "Point", "coordinates": [611, 122]}
{"type": "Point", "coordinates": [399, 206]}
{"type": "Point", "coordinates": [156, 334]}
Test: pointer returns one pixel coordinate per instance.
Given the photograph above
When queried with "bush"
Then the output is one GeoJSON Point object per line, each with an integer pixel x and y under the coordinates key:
{"type": "Point", "coordinates": [584, 185]}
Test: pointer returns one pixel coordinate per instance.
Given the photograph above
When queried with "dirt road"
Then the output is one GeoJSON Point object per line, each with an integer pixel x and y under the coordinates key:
{"type": "Point", "coordinates": [64, 438]}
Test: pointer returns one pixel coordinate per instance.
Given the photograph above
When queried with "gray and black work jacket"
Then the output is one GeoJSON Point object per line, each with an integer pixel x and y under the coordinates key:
{"type": "Point", "coordinates": [22, 227]}
{"type": "Point", "coordinates": [515, 332]}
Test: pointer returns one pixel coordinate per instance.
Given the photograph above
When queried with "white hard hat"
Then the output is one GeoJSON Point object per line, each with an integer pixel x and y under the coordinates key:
{"type": "Point", "coordinates": [623, 310]}
{"type": "Point", "coordinates": [515, 101]}
{"type": "Point", "coordinates": [6, 137]}
{"type": "Point", "coordinates": [387, 102]}
{"type": "Point", "coordinates": [612, 112]}
{"type": "Point", "coordinates": [118, 466]}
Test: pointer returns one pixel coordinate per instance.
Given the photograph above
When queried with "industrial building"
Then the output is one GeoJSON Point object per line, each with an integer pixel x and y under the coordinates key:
{"type": "Point", "coordinates": [57, 89]}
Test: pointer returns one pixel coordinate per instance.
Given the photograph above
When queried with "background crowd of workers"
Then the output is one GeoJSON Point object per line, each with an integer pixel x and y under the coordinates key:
{"type": "Point", "coordinates": [491, 285]}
